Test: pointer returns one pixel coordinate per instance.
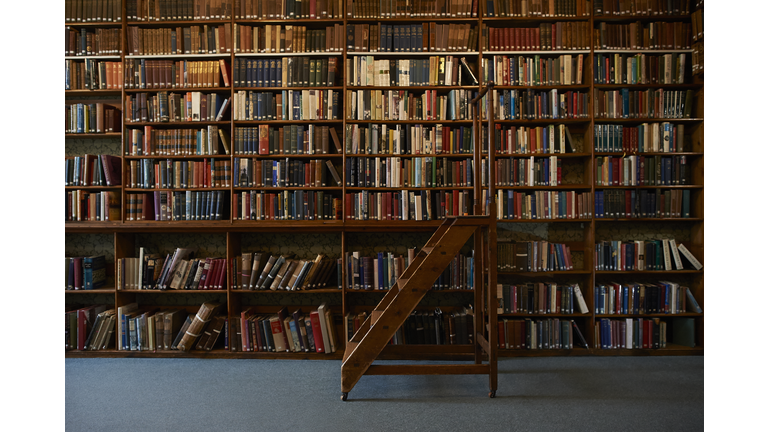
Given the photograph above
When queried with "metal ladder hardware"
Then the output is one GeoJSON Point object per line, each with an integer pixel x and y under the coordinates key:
{"type": "Point", "coordinates": [401, 300]}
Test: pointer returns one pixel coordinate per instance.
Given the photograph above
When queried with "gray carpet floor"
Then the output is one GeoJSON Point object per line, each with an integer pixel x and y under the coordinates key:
{"type": "Point", "coordinates": [541, 394]}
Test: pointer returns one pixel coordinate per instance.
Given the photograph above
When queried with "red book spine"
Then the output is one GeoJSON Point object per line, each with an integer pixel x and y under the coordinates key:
{"type": "Point", "coordinates": [628, 204]}
{"type": "Point", "coordinates": [317, 332]}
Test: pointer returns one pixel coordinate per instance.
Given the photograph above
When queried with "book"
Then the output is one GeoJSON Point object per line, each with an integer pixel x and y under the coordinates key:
{"type": "Point", "coordinates": [195, 328]}
{"type": "Point", "coordinates": [689, 256]}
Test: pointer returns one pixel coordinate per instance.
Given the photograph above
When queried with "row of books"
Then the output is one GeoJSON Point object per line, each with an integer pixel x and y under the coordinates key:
{"type": "Point", "coordinates": [509, 140]}
{"type": "Point", "coordinates": [640, 68]}
{"type": "Point", "coordinates": [288, 9]}
{"type": "Point", "coordinates": [262, 271]}
{"type": "Point", "coordinates": [639, 104]}
{"type": "Point", "coordinates": [167, 74]}
{"type": "Point", "coordinates": [536, 8]}
{"type": "Point", "coordinates": [634, 170]}
{"type": "Point", "coordinates": [91, 118]}
{"type": "Point", "coordinates": [148, 141]}
{"type": "Point", "coordinates": [419, 172]}
{"type": "Point", "coordinates": [196, 39]}
{"type": "Point", "coordinates": [540, 298]}
{"type": "Point", "coordinates": [644, 298]}
{"type": "Point", "coordinates": [176, 10]}
{"type": "Point", "coordinates": [92, 74]}
{"type": "Point", "coordinates": [424, 327]}
{"type": "Point", "coordinates": [534, 70]}
{"type": "Point", "coordinates": [85, 273]}
{"type": "Point", "coordinates": [277, 38]}
{"type": "Point", "coordinates": [175, 107]}
{"type": "Point", "coordinates": [90, 328]}
{"type": "Point", "coordinates": [569, 35]}
{"type": "Point", "coordinates": [286, 72]}
{"type": "Point", "coordinates": [538, 105]}
{"type": "Point", "coordinates": [641, 7]}
{"type": "Point", "coordinates": [178, 270]}
{"type": "Point", "coordinates": [96, 42]}
{"type": "Point", "coordinates": [427, 36]}
{"type": "Point", "coordinates": [286, 105]}
{"type": "Point", "coordinates": [382, 139]}
{"type": "Point", "coordinates": [152, 329]}
{"type": "Point", "coordinates": [697, 58]}
{"type": "Point", "coordinates": [93, 170]}
{"type": "Point", "coordinates": [697, 23]}
{"type": "Point", "coordinates": [432, 71]}
{"type": "Point", "coordinates": [391, 105]}
{"type": "Point", "coordinates": [175, 174]}
{"type": "Point", "coordinates": [286, 205]}
{"type": "Point", "coordinates": [552, 333]}
{"type": "Point", "coordinates": [631, 333]}
{"type": "Point", "coordinates": [664, 137]}
{"type": "Point", "coordinates": [538, 256]}
{"type": "Point", "coordinates": [642, 203]}
{"type": "Point", "coordinates": [407, 205]}
{"type": "Point", "coordinates": [617, 255]}
{"type": "Point", "coordinates": [530, 171]}
{"type": "Point", "coordinates": [284, 332]}
{"type": "Point", "coordinates": [287, 140]}
{"type": "Point", "coordinates": [639, 36]}
{"type": "Point", "coordinates": [415, 9]}
{"type": "Point", "coordinates": [176, 206]}
{"type": "Point", "coordinates": [83, 205]}
{"type": "Point", "coordinates": [262, 173]}
{"type": "Point", "coordinates": [514, 205]}
{"type": "Point", "coordinates": [82, 11]}
{"type": "Point", "coordinates": [382, 270]}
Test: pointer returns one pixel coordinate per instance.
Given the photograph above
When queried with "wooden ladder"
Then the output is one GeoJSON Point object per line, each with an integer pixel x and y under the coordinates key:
{"type": "Point", "coordinates": [401, 300]}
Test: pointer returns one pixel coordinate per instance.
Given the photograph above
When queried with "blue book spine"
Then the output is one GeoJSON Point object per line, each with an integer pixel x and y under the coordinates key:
{"type": "Point", "coordinates": [625, 102]}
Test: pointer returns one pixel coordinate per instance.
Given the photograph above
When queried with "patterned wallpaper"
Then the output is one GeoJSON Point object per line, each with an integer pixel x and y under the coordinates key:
{"type": "Point", "coordinates": [203, 245]}
{"type": "Point", "coordinates": [81, 146]}
{"type": "Point", "coordinates": [302, 246]}
{"type": "Point", "coordinates": [640, 231]}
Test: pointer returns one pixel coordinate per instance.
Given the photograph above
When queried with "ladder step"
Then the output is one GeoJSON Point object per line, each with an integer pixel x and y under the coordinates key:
{"type": "Point", "coordinates": [468, 369]}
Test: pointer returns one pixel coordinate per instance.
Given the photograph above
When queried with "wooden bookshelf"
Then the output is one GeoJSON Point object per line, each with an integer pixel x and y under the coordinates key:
{"type": "Point", "coordinates": [126, 236]}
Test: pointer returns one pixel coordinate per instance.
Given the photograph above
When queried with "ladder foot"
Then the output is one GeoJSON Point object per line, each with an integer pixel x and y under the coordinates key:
{"type": "Point", "coordinates": [492, 394]}
{"type": "Point", "coordinates": [344, 396]}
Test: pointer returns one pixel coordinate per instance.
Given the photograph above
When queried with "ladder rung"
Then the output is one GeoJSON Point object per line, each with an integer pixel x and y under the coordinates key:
{"type": "Point", "coordinates": [460, 369]}
{"type": "Point", "coordinates": [350, 347]}
{"type": "Point", "coordinates": [375, 314]}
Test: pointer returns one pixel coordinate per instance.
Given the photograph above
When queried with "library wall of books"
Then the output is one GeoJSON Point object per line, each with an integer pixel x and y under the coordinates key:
{"type": "Point", "coordinates": [248, 178]}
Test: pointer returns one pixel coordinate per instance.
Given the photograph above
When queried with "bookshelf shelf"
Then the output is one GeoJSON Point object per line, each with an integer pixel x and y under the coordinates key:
{"type": "Point", "coordinates": [91, 187]}
{"type": "Point", "coordinates": [559, 187]}
{"type": "Point", "coordinates": [648, 120]}
{"type": "Point", "coordinates": [517, 221]}
{"type": "Point", "coordinates": [184, 56]}
{"type": "Point", "coordinates": [527, 53]}
{"type": "Point", "coordinates": [647, 86]}
{"type": "Point", "coordinates": [642, 18]}
{"type": "Point", "coordinates": [387, 155]}
{"type": "Point", "coordinates": [93, 57]}
{"type": "Point", "coordinates": [412, 53]}
{"type": "Point", "coordinates": [75, 93]}
{"type": "Point", "coordinates": [288, 21]}
{"type": "Point", "coordinates": [173, 291]}
{"type": "Point", "coordinates": [94, 135]}
{"type": "Point", "coordinates": [653, 315]}
{"type": "Point", "coordinates": [411, 88]}
{"type": "Point", "coordinates": [178, 123]}
{"type": "Point", "coordinates": [642, 51]}
{"type": "Point", "coordinates": [241, 236]}
{"type": "Point", "coordinates": [92, 24]}
{"type": "Point", "coordinates": [291, 54]}
{"type": "Point", "coordinates": [176, 23]}
{"type": "Point", "coordinates": [93, 291]}
{"type": "Point", "coordinates": [225, 157]}
{"type": "Point", "coordinates": [639, 272]}
{"type": "Point", "coordinates": [175, 190]}
{"type": "Point", "coordinates": [651, 187]}
{"type": "Point", "coordinates": [286, 88]}
{"type": "Point", "coordinates": [180, 89]}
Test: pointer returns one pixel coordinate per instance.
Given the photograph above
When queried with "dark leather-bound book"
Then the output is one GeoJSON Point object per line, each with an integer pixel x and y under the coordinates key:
{"type": "Point", "coordinates": [216, 328]}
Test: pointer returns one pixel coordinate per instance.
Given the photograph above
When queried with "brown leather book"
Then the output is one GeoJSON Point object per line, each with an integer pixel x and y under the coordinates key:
{"type": "Point", "coordinates": [195, 329]}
